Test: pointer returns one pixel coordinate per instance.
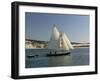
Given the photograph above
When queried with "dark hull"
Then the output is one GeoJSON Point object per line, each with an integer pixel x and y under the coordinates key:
{"type": "Point", "coordinates": [61, 54]}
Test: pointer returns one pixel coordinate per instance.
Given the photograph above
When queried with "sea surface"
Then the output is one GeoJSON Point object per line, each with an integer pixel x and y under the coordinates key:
{"type": "Point", "coordinates": [78, 57]}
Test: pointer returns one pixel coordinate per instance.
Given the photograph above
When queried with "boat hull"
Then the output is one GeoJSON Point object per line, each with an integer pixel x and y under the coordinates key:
{"type": "Point", "coordinates": [60, 54]}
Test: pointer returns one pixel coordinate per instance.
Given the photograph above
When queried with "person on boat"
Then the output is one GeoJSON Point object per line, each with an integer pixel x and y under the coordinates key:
{"type": "Point", "coordinates": [55, 52]}
{"type": "Point", "coordinates": [50, 52]}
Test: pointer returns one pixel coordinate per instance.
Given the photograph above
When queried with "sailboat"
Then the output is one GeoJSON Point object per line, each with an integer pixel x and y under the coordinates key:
{"type": "Point", "coordinates": [59, 43]}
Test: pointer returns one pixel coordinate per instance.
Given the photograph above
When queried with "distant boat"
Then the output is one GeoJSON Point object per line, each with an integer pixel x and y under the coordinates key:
{"type": "Point", "coordinates": [59, 43]}
{"type": "Point", "coordinates": [30, 56]}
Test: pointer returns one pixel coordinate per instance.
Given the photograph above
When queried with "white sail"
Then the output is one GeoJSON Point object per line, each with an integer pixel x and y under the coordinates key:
{"type": "Point", "coordinates": [68, 42]}
{"type": "Point", "coordinates": [65, 45]}
{"type": "Point", "coordinates": [53, 43]}
{"type": "Point", "coordinates": [55, 33]}
{"type": "Point", "coordinates": [62, 42]}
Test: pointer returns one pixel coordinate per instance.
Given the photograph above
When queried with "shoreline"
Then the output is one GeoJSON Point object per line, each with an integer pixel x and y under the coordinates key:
{"type": "Point", "coordinates": [81, 47]}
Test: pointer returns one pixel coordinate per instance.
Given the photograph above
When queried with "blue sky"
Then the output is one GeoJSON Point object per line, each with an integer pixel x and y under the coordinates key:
{"type": "Point", "coordinates": [38, 26]}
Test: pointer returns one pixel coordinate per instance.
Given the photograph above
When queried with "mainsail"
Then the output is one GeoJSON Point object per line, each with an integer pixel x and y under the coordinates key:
{"type": "Point", "coordinates": [53, 43]}
{"type": "Point", "coordinates": [59, 40]}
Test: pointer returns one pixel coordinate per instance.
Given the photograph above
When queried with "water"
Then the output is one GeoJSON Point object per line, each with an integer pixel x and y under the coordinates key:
{"type": "Point", "coordinates": [78, 57]}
